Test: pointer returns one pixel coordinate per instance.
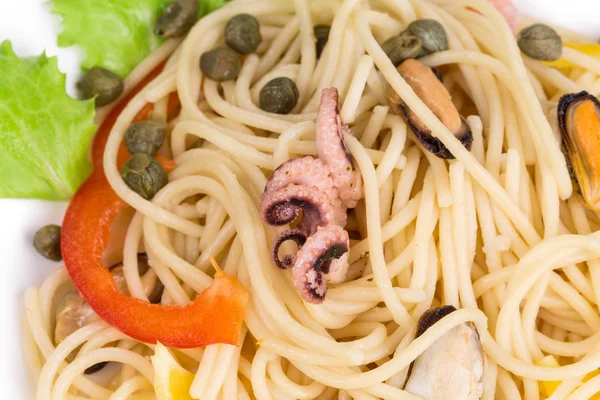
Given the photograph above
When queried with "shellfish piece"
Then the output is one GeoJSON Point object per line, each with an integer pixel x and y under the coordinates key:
{"type": "Point", "coordinates": [310, 172]}
{"type": "Point", "coordinates": [452, 367]}
{"type": "Point", "coordinates": [579, 122]}
{"type": "Point", "coordinates": [434, 94]}
{"type": "Point", "coordinates": [295, 235]}
{"type": "Point", "coordinates": [322, 259]}
{"type": "Point", "coordinates": [282, 207]}
{"type": "Point", "coordinates": [332, 149]}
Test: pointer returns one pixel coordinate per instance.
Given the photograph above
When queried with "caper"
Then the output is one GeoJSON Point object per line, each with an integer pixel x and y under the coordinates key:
{"type": "Point", "coordinates": [400, 48]}
{"type": "Point", "coordinates": [145, 136]}
{"type": "Point", "coordinates": [177, 18]}
{"type": "Point", "coordinates": [220, 64]}
{"type": "Point", "coordinates": [432, 34]}
{"type": "Point", "coordinates": [279, 96]}
{"type": "Point", "coordinates": [322, 35]}
{"type": "Point", "coordinates": [101, 83]}
{"type": "Point", "coordinates": [47, 242]}
{"type": "Point", "coordinates": [144, 175]}
{"type": "Point", "coordinates": [540, 42]}
{"type": "Point", "coordinates": [242, 33]}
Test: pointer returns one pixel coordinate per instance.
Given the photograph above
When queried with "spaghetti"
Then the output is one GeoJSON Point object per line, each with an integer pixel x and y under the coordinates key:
{"type": "Point", "coordinates": [498, 232]}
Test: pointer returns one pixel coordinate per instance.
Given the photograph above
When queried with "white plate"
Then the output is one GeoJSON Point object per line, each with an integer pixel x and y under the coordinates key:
{"type": "Point", "coordinates": [31, 28]}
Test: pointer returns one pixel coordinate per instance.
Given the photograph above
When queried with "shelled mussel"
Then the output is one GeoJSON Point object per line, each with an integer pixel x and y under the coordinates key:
{"type": "Point", "coordinates": [452, 367]}
{"type": "Point", "coordinates": [434, 94]}
{"type": "Point", "coordinates": [579, 123]}
{"type": "Point", "coordinates": [73, 312]}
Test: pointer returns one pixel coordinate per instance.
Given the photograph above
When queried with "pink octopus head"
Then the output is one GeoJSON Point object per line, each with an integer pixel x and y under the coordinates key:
{"type": "Point", "coordinates": [333, 152]}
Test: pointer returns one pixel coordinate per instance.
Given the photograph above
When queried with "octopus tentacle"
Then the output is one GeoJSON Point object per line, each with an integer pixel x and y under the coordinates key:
{"type": "Point", "coordinates": [509, 12]}
{"type": "Point", "coordinates": [309, 172]}
{"type": "Point", "coordinates": [281, 207]}
{"type": "Point", "coordinates": [333, 152]}
{"type": "Point", "coordinates": [323, 189]}
{"type": "Point", "coordinates": [302, 171]}
{"type": "Point", "coordinates": [288, 260]}
{"type": "Point", "coordinates": [323, 258]}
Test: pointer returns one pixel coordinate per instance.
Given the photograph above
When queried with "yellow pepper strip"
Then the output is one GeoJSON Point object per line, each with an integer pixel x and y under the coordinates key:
{"type": "Point", "coordinates": [591, 49]}
{"type": "Point", "coordinates": [143, 396]}
{"type": "Point", "coordinates": [548, 387]}
{"type": "Point", "coordinates": [171, 380]}
{"type": "Point", "coordinates": [590, 376]}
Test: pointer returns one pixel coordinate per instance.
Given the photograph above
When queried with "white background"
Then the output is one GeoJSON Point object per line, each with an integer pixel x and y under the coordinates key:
{"type": "Point", "coordinates": [32, 29]}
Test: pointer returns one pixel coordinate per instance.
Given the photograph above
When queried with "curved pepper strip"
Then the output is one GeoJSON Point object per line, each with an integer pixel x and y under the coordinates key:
{"type": "Point", "coordinates": [591, 49]}
{"type": "Point", "coordinates": [548, 387]}
{"type": "Point", "coordinates": [215, 316]}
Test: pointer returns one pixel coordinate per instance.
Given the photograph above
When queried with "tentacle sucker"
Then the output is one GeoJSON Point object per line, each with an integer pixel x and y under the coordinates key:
{"type": "Point", "coordinates": [323, 258]}
{"type": "Point", "coordinates": [332, 149]}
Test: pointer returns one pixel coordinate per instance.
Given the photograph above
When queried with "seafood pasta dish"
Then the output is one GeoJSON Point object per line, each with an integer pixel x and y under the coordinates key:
{"type": "Point", "coordinates": [341, 199]}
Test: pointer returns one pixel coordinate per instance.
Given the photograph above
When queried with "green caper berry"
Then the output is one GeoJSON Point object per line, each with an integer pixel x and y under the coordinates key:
{"type": "Point", "coordinates": [322, 35]}
{"type": "Point", "coordinates": [279, 96]}
{"type": "Point", "coordinates": [145, 136]}
{"type": "Point", "coordinates": [47, 242]}
{"type": "Point", "coordinates": [242, 33]}
{"type": "Point", "coordinates": [177, 18]}
{"type": "Point", "coordinates": [400, 48]}
{"type": "Point", "coordinates": [220, 64]}
{"type": "Point", "coordinates": [432, 34]}
{"type": "Point", "coordinates": [101, 83]}
{"type": "Point", "coordinates": [144, 175]}
{"type": "Point", "coordinates": [540, 42]}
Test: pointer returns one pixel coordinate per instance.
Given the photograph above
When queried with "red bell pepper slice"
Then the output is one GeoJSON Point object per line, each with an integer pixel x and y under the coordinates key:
{"type": "Point", "coordinates": [215, 316]}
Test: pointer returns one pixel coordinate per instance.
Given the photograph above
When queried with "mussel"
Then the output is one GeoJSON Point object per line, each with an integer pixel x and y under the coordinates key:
{"type": "Point", "coordinates": [425, 83]}
{"type": "Point", "coordinates": [153, 287]}
{"type": "Point", "coordinates": [452, 367]}
{"type": "Point", "coordinates": [579, 123]}
{"type": "Point", "coordinates": [73, 312]}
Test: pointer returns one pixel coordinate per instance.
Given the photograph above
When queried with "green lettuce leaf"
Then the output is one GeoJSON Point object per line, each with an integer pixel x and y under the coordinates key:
{"type": "Point", "coordinates": [208, 6]}
{"type": "Point", "coordinates": [115, 34]}
{"type": "Point", "coordinates": [44, 133]}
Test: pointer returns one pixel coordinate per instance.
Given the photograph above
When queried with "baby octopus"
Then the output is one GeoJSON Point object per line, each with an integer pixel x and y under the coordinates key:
{"type": "Point", "coordinates": [323, 189]}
